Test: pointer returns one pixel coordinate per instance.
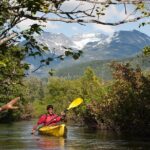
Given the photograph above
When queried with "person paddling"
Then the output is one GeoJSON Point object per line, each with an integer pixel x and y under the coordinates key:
{"type": "Point", "coordinates": [49, 119]}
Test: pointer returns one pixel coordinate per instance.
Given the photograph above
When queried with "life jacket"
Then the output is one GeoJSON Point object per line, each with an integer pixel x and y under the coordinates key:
{"type": "Point", "coordinates": [48, 119]}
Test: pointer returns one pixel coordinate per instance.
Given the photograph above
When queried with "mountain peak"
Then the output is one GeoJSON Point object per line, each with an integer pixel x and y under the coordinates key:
{"type": "Point", "coordinates": [130, 32]}
{"type": "Point", "coordinates": [95, 46]}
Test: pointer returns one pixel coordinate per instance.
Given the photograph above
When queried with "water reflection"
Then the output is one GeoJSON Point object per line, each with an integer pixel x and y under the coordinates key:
{"type": "Point", "coordinates": [47, 143]}
{"type": "Point", "coordinates": [17, 137]}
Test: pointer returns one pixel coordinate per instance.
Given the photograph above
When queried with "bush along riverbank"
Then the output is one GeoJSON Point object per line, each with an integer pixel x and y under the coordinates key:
{"type": "Point", "coordinates": [121, 104]}
{"type": "Point", "coordinates": [125, 106]}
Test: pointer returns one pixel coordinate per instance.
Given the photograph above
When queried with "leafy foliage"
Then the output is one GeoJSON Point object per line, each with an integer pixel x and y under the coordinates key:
{"type": "Point", "coordinates": [120, 104]}
{"type": "Point", "coordinates": [102, 67]}
{"type": "Point", "coordinates": [11, 70]}
{"type": "Point", "coordinates": [146, 50]}
{"type": "Point", "coordinates": [11, 74]}
{"type": "Point", "coordinates": [129, 100]}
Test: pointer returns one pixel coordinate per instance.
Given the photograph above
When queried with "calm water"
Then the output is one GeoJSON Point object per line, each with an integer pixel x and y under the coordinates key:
{"type": "Point", "coordinates": [17, 136]}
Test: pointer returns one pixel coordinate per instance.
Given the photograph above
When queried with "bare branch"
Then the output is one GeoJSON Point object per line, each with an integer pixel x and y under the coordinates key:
{"type": "Point", "coordinates": [125, 8]}
{"type": "Point", "coordinates": [93, 9]}
{"type": "Point", "coordinates": [6, 39]}
{"type": "Point", "coordinates": [67, 20]}
{"type": "Point", "coordinates": [115, 3]}
{"type": "Point", "coordinates": [75, 16]}
{"type": "Point", "coordinates": [40, 66]}
{"type": "Point", "coordinates": [76, 7]}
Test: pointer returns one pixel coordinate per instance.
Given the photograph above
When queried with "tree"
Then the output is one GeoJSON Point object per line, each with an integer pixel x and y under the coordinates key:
{"type": "Point", "coordinates": [90, 84]}
{"type": "Point", "coordinates": [128, 105]}
{"type": "Point", "coordinates": [146, 50]}
{"type": "Point", "coordinates": [12, 71]}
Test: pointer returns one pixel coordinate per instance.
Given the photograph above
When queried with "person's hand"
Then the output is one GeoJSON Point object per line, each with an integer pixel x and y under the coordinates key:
{"type": "Point", "coordinates": [10, 105]}
{"type": "Point", "coordinates": [33, 131]}
{"type": "Point", "coordinates": [63, 114]}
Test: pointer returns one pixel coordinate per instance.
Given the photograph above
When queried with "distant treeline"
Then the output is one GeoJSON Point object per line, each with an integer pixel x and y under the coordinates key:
{"type": "Point", "coordinates": [102, 67]}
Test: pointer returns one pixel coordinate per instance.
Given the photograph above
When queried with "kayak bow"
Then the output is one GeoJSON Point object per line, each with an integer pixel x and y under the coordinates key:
{"type": "Point", "coordinates": [57, 130]}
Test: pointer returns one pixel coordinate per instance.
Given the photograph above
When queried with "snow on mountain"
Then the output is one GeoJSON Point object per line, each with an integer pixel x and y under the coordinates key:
{"type": "Point", "coordinates": [55, 42]}
{"type": "Point", "coordinates": [95, 42]}
{"type": "Point", "coordinates": [81, 40]}
{"type": "Point", "coordinates": [95, 46]}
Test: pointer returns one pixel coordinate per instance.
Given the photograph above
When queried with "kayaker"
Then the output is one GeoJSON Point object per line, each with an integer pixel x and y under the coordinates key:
{"type": "Point", "coordinates": [10, 105]}
{"type": "Point", "coordinates": [49, 119]}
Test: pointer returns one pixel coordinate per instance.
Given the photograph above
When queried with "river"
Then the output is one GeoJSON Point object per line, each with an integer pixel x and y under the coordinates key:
{"type": "Point", "coordinates": [17, 136]}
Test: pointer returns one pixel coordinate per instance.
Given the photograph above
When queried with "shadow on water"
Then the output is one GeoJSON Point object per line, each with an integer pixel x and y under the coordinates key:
{"type": "Point", "coordinates": [17, 136]}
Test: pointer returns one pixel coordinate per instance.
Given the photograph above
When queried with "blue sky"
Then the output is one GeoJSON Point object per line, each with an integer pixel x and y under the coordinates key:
{"type": "Point", "coordinates": [113, 14]}
{"type": "Point", "coordinates": [72, 29]}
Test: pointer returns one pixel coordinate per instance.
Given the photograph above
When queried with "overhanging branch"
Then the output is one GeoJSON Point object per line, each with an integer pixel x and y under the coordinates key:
{"type": "Point", "coordinates": [67, 20]}
{"type": "Point", "coordinates": [2, 41]}
{"type": "Point", "coordinates": [117, 2]}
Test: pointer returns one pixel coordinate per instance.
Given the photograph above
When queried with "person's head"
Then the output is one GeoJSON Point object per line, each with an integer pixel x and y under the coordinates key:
{"type": "Point", "coordinates": [50, 109]}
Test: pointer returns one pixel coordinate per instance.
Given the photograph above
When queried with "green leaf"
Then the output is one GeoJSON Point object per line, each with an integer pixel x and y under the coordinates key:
{"type": "Point", "coordinates": [67, 53]}
{"type": "Point", "coordinates": [2, 64]}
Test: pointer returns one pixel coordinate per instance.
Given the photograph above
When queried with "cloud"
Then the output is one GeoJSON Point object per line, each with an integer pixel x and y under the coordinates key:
{"type": "Point", "coordinates": [26, 23]}
{"type": "Point", "coordinates": [113, 14]}
{"type": "Point", "coordinates": [76, 5]}
{"type": "Point", "coordinates": [75, 28]}
{"type": "Point", "coordinates": [50, 25]}
{"type": "Point", "coordinates": [104, 28]}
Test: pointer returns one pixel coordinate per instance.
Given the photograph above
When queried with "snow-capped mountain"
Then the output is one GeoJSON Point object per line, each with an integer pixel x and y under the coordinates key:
{"type": "Point", "coordinates": [119, 44]}
{"type": "Point", "coordinates": [55, 42]}
{"type": "Point", "coordinates": [81, 40]}
{"type": "Point", "coordinates": [95, 46]}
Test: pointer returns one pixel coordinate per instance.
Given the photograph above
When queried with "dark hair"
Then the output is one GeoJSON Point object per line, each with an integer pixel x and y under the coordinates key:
{"type": "Point", "coordinates": [49, 106]}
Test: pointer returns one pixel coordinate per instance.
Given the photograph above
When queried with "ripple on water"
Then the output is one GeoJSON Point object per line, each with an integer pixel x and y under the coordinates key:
{"type": "Point", "coordinates": [17, 137]}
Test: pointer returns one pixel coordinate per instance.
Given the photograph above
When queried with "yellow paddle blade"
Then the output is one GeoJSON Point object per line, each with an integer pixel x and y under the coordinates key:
{"type": "Point", "coordinates": [75, 103]}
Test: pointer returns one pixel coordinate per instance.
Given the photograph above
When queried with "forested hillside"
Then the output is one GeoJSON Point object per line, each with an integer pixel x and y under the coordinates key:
{"type": "Point", "coordinates": [102, 67]}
